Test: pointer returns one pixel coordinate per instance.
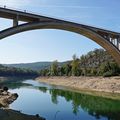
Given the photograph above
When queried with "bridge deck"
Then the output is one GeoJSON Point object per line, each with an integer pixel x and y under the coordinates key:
{"type": "Point", "coordinates": [30, 17]}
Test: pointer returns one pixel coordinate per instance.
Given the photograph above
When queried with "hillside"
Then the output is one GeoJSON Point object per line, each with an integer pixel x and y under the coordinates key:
{"type": "Point", "coordinates": [97, 62]}
{"type": "Point", "coordinates": [12, 71]}
{"type": "Point", "coordinates": [32, 66]}
{"type": "Point", "coordinates": [95, 58]}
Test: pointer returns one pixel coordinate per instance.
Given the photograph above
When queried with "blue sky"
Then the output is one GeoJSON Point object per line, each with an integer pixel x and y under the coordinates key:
{"type": "Point", "coordinates": [49, 45]}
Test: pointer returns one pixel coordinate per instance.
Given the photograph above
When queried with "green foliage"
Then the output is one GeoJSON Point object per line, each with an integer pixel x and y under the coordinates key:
{"type": "Point", "coordinates": [11, 71]}
{"type": "Point", "coordinates": [108, 74]}
{"type": "Point", "coordinates": [95, 63]}
{"type": "Point", "coordinates": [54, 68]}
{"type": "Point", "coordinates": [108, 69]}
{"type": "Point", "coordinates": [96, 106]}
{"type": "Point", "coordinates": [44, 72]}
{"type": "Point", "coordinates": [67, 69]}
{"type": "Point", "coordinates": [37, 66]}
{"type": "Point", "coordinates": [94, 72]}
{"type": "Point", "coordinates": [75, 66]}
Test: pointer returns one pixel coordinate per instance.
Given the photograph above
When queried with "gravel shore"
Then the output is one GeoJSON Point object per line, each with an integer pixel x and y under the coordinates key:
{"type": "Point", "coordinates": [94, 84]}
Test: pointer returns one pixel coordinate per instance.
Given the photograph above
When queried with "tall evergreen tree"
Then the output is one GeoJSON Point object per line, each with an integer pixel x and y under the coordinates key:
{"type": "Point", "coordinates": [75, 66]}
{"type": "Point", "coordinates": [54, 68]}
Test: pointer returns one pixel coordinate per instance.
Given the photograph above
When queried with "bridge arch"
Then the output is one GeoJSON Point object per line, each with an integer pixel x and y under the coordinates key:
{"type": "Point", "coordinates": [68, 27]}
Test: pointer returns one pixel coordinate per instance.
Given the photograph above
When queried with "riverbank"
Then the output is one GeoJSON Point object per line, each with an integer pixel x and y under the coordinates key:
{"type": "Point", "coordinates": [86, 84]}
{"type": "Point", "coordinates": [7, 114]}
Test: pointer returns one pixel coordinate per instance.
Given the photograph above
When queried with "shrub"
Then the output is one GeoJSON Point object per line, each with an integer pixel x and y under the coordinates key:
{"type": "Point", "coordinates": [5, 89]}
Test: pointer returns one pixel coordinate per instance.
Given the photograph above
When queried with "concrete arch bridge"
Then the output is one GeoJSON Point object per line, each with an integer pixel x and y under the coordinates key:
{"type": "Point", "coordinates": [109, 40]}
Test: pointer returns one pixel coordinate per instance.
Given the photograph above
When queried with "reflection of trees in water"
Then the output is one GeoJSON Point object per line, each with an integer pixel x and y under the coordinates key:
{"type": "Point", "coordinates": [43, 89]}
{"type": "Point", "coordinates": [54, 97]}
{"type": "Point", "coordinates": [15, 85]}
{"type": "Point", "coordinates": [94, 105]}
{"type": "Point", "coordinates": [15, 82]}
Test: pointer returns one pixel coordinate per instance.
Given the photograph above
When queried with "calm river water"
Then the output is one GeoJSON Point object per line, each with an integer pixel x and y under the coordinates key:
{"type": "Point", "coordinates": [55, 103]}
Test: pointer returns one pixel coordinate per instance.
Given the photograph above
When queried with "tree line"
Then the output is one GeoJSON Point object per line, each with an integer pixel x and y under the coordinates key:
{"type": "Point", "coordinates": [12, 71]}
{"type": "Point", "coordinates": [94, 63]}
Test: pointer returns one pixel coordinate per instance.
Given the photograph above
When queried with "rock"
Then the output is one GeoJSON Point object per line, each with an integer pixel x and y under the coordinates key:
{"type": "Point", "coordinates": [37, 115]}
{"type": "Point", "coordinates": [15, 95]}
{"type": "Point", "coordinates": [11, 98]}
{"type": "Point", "coordinates": [4, 93]}
{"type": "Point", "coordinates": [6, 97]}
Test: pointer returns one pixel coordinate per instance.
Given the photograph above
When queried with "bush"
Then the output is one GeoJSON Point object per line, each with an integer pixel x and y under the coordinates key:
{"type": "Point", "coordinates": [93, 72]}
{"type": "Point", "coordinates": [110, 73]}
{"type": "Point", "coordinates": [5, 89]}
{"type": "Point", "coordinates": [108, 69]}
{"type": "Point", "coordinates": [107, 74]}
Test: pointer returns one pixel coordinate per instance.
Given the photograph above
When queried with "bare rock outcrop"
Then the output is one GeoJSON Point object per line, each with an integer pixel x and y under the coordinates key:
{"type": "Point", "coordinates": [6, 97]}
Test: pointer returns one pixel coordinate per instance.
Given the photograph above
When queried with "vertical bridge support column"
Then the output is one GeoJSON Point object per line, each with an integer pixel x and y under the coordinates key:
{"type": "Point", "coordinates": [118, 43]}
{"type": "Point", "coordinates": [15, 21]}
{"type": "Point", "coordinates": [109, 38]}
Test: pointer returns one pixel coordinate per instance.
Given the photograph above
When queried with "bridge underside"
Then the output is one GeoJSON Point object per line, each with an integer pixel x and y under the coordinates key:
{"type": "Point", "coordinates": [107, 39]}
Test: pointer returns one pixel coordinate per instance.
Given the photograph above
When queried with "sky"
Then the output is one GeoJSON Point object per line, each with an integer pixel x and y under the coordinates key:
{"type": "Point", "coordinates": [49, 45]}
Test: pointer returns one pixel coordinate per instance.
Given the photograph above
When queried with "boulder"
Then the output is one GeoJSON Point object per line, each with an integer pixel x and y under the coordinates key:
{"type": "Point", "coordinates": [6, 97]}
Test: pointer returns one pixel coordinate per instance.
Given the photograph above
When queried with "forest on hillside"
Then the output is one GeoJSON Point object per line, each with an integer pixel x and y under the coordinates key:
{"type": "Point", "coordinates": [12, 71]}
{"type": "Point", "coordinates": [94, 63]}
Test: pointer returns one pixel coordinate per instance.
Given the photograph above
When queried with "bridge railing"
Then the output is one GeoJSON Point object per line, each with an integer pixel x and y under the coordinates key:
{"type": "Point", "coordinates": [12, 8]}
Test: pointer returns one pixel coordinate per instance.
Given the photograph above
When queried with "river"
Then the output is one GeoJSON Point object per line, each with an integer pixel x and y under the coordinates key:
{"type": "Point", "coordinates": [57, 103]}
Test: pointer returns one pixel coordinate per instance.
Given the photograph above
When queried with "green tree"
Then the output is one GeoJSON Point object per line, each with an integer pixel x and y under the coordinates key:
{"type": "Point", "coordinates": [67, 69]}
{"type": "Point", "coordinates": [75, 66]}
{"type": "Point", "coordinates": [109, 69]}
{"type": "Point", "coordinates": [54, 68]}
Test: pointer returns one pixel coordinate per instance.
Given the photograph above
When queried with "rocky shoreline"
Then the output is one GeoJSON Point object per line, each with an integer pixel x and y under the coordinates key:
{"type": "Point", "coordinates": [6, 97]}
